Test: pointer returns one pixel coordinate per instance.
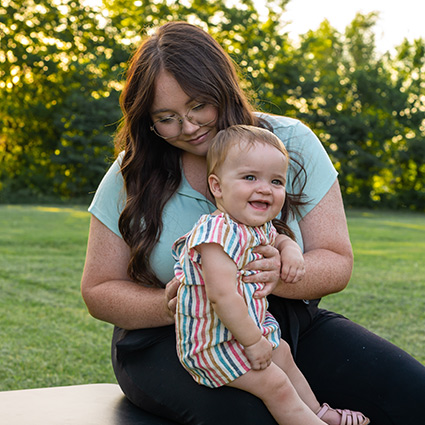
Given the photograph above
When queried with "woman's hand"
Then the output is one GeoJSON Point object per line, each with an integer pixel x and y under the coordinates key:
{"type": "Point", "coordinates": [171, 296]}
{"type": "Point", "coordinates": [269, 270]}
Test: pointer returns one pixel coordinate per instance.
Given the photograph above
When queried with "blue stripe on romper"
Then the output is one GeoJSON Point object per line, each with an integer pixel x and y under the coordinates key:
{"type": "Point", "coordinates": [220, 349]}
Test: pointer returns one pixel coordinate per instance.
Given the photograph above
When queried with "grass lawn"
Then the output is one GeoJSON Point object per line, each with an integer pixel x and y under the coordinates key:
{"type": "Point", "coordinates": [386, 293]}
{"type": "Point", "coordinates": [47, 338]}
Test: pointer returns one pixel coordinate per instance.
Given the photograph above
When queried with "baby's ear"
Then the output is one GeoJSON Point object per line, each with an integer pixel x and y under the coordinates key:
{"type": "Point", "coordinates": [215, 186]}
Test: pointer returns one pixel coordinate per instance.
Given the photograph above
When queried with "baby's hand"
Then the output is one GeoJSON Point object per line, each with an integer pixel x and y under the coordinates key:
{"type": "Point", "coordinates": [292, 269]}
{"type": "Point", "coordinates": [259, 354]}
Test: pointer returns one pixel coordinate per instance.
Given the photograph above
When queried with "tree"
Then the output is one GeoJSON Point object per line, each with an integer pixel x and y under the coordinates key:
{"type": "Point", "coordinates": [359, 105]}
{"type": "Point", "coordinates": [253, 43]}
{"type": "Point", "coordinates": [408, 165]}
{"type": "Point", "coordinates": [61, 66]}
{"type": "Point", "coordinates": [60, 70]}
{"type": "Point", "coordinates": [58, 63]}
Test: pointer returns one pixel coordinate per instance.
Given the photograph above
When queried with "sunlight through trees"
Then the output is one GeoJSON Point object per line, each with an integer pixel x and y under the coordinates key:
{"type": "Point", "coordinates": [62, 64]}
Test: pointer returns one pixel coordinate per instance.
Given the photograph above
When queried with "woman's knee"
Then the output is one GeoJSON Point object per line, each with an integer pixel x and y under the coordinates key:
{"type": "Point", "coordinates": [158, 383]}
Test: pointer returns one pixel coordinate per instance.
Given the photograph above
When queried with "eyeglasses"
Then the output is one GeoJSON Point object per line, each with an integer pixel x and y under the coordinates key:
{"type": "Point", "coordinates": [171, 126]}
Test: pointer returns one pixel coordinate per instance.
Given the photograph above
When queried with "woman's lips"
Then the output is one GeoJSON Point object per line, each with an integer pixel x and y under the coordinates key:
{"type": "Point", "coordinates": [199, 139]}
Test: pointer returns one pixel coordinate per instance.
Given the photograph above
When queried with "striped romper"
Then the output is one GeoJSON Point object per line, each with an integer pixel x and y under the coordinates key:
{"type": "Point", "coordinates": [205, 347]}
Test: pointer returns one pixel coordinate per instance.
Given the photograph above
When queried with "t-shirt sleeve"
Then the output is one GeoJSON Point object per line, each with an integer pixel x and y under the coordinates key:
{"type": "Point", "coordinates": [216, 229]}
{"type": "Point", "coordinates": [304, 146]}
{"type": "Point", "coordinates": [109, 199]}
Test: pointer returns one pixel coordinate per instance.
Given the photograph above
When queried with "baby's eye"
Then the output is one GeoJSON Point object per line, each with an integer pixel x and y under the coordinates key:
{"type": "Point", "coordinates": [277, 182]}
{"type": "Point", "coordinates": [249, 177]}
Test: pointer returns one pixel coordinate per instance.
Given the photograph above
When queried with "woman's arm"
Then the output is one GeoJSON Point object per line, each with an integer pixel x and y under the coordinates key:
{"type": "Point", "coordinates": [327, 250]}
{"type": "Point", "coordinates": [109, 293]}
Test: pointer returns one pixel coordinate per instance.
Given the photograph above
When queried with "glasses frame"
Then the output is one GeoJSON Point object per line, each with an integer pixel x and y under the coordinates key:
{"type": "Point", "coordinates": [180, 120]}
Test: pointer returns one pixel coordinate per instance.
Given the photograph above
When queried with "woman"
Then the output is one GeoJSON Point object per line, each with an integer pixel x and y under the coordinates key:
{"type": "Point", "coordinates": [181, 90]}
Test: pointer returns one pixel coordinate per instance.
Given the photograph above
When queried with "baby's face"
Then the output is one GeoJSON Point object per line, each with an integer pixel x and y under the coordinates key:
{"type": "Point", "coordinates": [250, 184]}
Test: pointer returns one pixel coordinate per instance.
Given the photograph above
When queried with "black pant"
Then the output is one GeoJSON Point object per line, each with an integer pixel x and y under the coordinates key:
{"type": "Point", "coordinates": [346, 366]}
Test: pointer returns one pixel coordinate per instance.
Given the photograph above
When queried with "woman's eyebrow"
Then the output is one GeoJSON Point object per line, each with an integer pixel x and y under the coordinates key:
{"type": "Point", "coordinates": [161, 110]}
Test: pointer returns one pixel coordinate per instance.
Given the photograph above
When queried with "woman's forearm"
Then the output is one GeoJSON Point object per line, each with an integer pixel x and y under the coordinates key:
{"type": "Point", "coordinates": [326, 272]}
{"type": "Point", "coordinates": [327, 250]}
{"type": "Point", "coordinates": [109, 293]}
{"type": "Point", "coordinates": [128, 305]}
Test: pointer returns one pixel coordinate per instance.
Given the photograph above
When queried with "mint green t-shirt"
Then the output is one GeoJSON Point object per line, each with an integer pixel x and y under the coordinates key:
{"type": "Point", "coordinates": [186, 206]}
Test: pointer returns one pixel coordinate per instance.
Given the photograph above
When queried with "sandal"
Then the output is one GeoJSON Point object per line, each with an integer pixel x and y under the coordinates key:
{"type": "Point", "coordinates": [348, 417]}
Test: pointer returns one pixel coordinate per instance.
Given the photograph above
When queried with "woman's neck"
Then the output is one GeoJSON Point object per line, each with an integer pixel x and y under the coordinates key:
{"type": "Point", "coordinates": [195, 171]}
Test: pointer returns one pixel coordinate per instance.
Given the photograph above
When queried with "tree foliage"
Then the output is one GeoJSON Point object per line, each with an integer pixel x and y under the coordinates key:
{"type": "Point", "coordinates": [368, 110]}
{"type": "Point", "coordinates": [61, 66]}
{"type": "Point", "coordinates": [57, 97]}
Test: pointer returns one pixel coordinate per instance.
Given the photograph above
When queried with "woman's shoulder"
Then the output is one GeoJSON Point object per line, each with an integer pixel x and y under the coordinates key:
{"type": "Point", "coordinates": [294, 133]}
{"type": "Point", "coordinates": [109, 198]}
{"type": "Point", "coordinates": [281, 122]}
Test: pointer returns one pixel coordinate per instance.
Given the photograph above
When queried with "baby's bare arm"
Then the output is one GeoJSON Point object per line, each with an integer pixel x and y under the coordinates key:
{"type": "Point", "coordinates": [292, 259]}
{"type": "Point", "coordinates": [220, 273]}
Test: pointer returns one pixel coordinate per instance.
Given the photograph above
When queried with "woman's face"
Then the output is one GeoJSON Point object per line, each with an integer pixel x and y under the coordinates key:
{"type": "Point", "coordinates": [171, 105]}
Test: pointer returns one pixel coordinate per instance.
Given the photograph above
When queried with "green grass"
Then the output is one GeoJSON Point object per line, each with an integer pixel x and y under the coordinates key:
{"type": "Point", "coordinates": [47, 338]}
{"type": "Point", "coordinates": [386, 293]}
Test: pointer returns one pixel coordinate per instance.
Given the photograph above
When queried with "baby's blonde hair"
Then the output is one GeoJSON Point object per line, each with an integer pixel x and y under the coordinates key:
{"type": "Point", "coordinates": [236, 135]}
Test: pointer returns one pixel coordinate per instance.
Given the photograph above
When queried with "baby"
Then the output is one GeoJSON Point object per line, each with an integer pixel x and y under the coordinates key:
{"type": "Point", "coordinates": [225, 335]}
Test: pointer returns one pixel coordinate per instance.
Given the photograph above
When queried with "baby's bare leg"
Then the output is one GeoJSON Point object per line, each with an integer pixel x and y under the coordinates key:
{"type": "Point", "coordinates": [282, 357]}
{"type": "Point", "coordinates": [274, 387]}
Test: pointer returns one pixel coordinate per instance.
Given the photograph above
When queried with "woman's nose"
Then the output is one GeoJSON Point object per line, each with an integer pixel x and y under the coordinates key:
{"type": "Point", "coordinates": [188, 127]}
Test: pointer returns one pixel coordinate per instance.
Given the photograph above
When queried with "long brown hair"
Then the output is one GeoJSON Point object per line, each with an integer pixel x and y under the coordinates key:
{"type": "Point", "coordinates": [151, 166]}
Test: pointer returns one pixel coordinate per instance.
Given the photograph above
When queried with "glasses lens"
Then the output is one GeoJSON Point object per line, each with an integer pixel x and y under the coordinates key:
{"type": "Point", "coordinates": [168, 127]}
{"type": "Point", "coordinates": [201, 114]}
